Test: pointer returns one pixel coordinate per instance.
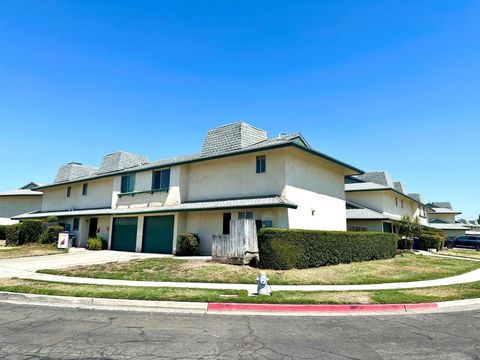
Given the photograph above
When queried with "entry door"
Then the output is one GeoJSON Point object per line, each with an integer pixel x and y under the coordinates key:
{"type": "Point", "coordinates": [92, 229]}
{"type": "Point", "coordinates": [387, 227]}
{"type": "Point", "coordinates": [158, 234]}
{"type": "Point", "coordinates": [124, 235]}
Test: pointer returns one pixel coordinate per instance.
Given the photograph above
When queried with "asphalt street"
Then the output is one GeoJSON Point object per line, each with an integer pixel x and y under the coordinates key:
{"type": "Point", "coordinates": [28, 332]}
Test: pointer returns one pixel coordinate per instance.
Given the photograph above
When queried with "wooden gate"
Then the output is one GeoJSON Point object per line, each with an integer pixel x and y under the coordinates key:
{"type": "Point", "coordinates": [240, 247]}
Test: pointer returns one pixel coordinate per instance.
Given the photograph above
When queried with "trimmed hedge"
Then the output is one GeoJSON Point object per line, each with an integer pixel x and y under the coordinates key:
{"type": "Point", "coordinates": [32, 229]}
{"type": "Point", "coordinates": [427, 241]}
{"type": "Point", "coordinates": [14, 235]}
{"type": "Point", "coordinates": [50, 235]}
{"type": "Point", "coordinates": [283, 249]}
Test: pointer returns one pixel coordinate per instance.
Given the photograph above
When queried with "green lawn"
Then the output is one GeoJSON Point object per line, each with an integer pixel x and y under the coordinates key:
{"type": "Point", "coordinates": [466, 253]}
{"type": "Point", "coordinates": [404, 267]}
{"type": "Point", "coordinates": [445, 293]}
{"type": "Point", "coordinates": [29, 250]}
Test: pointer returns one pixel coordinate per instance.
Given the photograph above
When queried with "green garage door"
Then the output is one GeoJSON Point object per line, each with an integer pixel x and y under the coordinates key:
{"type": "Point", "coordinates": [124, 236]}
{"type": "Point", "coordinates": [158, 234]}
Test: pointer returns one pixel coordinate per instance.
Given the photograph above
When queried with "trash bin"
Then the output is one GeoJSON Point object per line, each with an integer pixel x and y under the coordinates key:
{"type": "Point", "coordinates": [416, 242]}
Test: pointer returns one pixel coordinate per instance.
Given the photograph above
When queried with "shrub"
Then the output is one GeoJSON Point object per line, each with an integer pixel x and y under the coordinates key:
{"type": "Point", "coordinates": [95, 243]}
{"type": "Point", "coordinates": [52, 219]}
{"type": "Point", "coordinates": [428, 241]}
{"type": "Point", "coordinates": [286, 249]}
{"type": "Point", "coordinates": [14, 235]}
{"type": "Point", "coordinates": [50, 235]}
{"type": "Point", "coordinates": [2, 232]}
{"type": "Point", "coordinates": [32, 229]}
{"type": "Point", "coordinates": [401, 244]}
{"type": "Point", "coordinates": [188, 244]}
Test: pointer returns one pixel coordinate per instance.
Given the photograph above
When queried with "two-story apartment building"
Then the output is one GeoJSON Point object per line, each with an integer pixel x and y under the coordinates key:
{"type": "Point", "coordinates": [140, 205]}
{"type": "Point", "coordinates": [377, 203]}
{"type": "Point", "coordinates": [19, 201]}
{"type": "Point", "coordinates": [442, 216]}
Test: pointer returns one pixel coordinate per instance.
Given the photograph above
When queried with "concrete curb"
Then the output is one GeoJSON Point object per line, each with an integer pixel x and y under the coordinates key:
{"type": "Point", "coordinates": [234, 308]}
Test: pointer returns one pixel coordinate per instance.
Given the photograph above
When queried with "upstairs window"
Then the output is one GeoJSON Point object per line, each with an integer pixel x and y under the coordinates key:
{"type": "Point", "coordinates": [245, 215]}
{"type": "Point", "coordinates": [261, 164]}
{"type": "Point", "coordinates": [396, 201]}
{"type": "Point", "coordinates": [69, 190]}
{"type": "Point", "coordinates": [161, 179]}
{"type": "Point", "coordinates": [128, 183]}
{"type": "Point", "coordinates": [85, 189]}
{"type": "Point", "coordinates": [401, 203]}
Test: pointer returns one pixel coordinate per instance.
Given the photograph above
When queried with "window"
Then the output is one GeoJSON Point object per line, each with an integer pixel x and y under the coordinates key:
{"type": "Point", "coordinates": [161, 179]}
{"type": "Point", "coordinates": [128, 183]}
{"type": "Point", "coordinates": [69, 190]}
{"type": "Point", "coordinates": [261, 164]}
{"type": "Point", "coordinates": [396, 201]}
{"type": "Point", "coordinates": [76, 223]}
{"type": "Point", "coordinates": [402, 203]}
{"type": "Point", "coordinates": [226, 223]}
{"type": "Point", "coordinates": [85, 189]}
{"type": "Point", "coordinates": [245, 215]}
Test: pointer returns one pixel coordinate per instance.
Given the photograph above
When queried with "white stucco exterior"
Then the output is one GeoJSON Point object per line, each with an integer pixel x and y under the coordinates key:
{"type": "Point", "coordinates": [15, 205]}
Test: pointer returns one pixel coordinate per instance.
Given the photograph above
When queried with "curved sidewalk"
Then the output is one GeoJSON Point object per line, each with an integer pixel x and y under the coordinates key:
{"type": "Point", "coordinates": [469, 277]}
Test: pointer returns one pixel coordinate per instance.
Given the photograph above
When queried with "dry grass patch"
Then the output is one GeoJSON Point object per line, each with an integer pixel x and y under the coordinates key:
{"type": "Point", "coordinates": [29, 250]}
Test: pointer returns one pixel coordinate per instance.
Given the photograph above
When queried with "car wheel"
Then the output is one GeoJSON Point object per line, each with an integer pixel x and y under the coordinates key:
{"type": "Point", "coordinates": [450, 246]}
{"type": "Point", "coordinates": [477, 247]}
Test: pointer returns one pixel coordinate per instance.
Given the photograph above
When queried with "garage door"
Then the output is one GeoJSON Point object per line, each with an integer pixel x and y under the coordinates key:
{"type": "Point", "coordinates": [158, 234]}
{"type": "Point", "coordinates": [124, 236]}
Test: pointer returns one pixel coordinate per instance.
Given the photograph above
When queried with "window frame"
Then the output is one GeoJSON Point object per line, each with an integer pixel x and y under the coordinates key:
{"type": "Point", "coordinates": [85, 189]}
{"type": "Point", "coordinates": [245, 217]}
{"type": "Point", "coordinates": [69, 191]}
{"type": "Point", "coordinates": [261, 164]}
{"type": "Point", "coordinates": [76, 224]}
{"type": "Point", "coordinates": [131, 183]}
{"type": "Point", "coordinates": [160, 188]}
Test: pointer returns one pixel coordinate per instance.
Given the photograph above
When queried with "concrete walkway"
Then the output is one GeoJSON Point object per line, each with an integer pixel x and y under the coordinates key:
{"type": "Point", "coordinates": [25, 268]}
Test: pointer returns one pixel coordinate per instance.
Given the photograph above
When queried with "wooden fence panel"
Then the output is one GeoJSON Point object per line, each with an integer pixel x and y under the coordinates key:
{"type": "Point", "coordinates": [240, 246]}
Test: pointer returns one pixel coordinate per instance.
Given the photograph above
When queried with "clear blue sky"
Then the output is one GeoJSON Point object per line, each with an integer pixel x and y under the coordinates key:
{"type": "Point", "coordinates": [391, 85]}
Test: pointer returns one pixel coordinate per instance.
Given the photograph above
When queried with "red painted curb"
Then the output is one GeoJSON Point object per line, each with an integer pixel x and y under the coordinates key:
{"type": "Point", "coordinates": [318, 308]}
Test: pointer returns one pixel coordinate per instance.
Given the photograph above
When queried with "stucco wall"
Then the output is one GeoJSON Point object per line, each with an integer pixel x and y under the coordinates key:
{"type": "Point", "coordinates": [235, 177]}
{"type": "Point", "coordinates": [369, 199]}
{"type": "Point", "coordinates": [390, 206]}
{"type": "Point", "coordinates": [16, 205]}
{"type": "Point", "coordinates": [317, 187]}
{"type": "Point", "coordinates": [99, 195]}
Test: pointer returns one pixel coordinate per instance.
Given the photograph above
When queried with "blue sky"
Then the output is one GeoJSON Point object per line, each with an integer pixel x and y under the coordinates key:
{"type": "Point", "coordinates": [391, 85]}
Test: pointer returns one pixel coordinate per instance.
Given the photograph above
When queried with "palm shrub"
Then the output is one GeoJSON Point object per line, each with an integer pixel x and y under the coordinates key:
{"type": "Point", "coordinates": [406, 229]}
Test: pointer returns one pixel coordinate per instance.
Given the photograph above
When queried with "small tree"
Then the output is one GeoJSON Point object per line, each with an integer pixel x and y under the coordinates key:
{"type": "Point", "coordinates": [406, 228]}
{"type": "Point", "coordinates": [416, 226]}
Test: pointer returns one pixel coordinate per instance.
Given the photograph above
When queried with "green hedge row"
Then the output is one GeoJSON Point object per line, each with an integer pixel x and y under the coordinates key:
{"type": "Point", "coordinates": [287, 249]}
{"type": "Point", "coordinates": [31, 231]}
{"type": "Point", "coordinates": [428, 241]}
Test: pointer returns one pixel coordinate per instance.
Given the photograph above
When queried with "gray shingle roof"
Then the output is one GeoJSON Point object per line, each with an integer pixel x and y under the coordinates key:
{"type": "Point", "coordinates": [21, 192]}
{"type": "Point", "coordinates": [258, 202]}
{"type": "Point", "coordinates": [416, 196]}
{"type": "Point", "coordinates": [73, 170]}
{"type": "Point", "coordinates": [448, 226]}
{"type": "Point", "coordinates": [439, 210]}
{"type": "Point", "coordinates": [364, 186]}
{"type": "Point", "coordinates": [397, 185]}
{"type": "Point", "coordinates": [121, 160]}
{"type": "Point", "coordinates": [377, 177]}
{"type": "Point", "coordinates": [441, 204]}
{"type": "Point", "coordinates": [232, 137]}
{"type": "Point", "coordinates": [359, 212]}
